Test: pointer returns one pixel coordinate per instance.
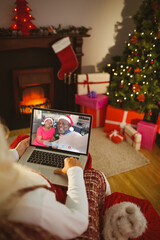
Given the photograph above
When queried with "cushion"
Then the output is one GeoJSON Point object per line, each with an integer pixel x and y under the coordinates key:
{"type": "Point", "coordinates": [152, 217]}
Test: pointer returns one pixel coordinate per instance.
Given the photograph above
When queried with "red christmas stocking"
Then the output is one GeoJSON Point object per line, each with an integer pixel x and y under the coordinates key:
{"type": "Point", "coordinates": [66, 55]}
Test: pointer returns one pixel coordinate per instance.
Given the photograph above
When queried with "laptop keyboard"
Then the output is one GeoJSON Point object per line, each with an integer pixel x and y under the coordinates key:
{"type": "Point", "coordinates": [47, 158]}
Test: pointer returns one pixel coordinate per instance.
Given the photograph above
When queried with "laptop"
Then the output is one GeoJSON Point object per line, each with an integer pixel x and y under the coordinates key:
{"type": "Point", "coordinates": [74, 143]}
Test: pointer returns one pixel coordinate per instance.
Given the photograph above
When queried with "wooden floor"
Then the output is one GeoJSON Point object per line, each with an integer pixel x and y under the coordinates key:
{"type": "Point", "coordinates": [143, 182]}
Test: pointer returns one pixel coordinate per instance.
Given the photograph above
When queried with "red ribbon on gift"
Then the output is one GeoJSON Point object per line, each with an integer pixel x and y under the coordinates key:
{"type": "Point", "coordinates": [133, 136]}
{"type": "Point", "coordinates": [115, 136]}
{"type": "Point", "coordinates": [86, 81]}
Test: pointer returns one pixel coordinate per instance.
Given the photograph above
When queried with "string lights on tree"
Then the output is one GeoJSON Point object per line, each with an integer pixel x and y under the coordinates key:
{"type": "Point", "coordinates": [23, 18]}
{"type": "Point", "coordinates": [135, 76]}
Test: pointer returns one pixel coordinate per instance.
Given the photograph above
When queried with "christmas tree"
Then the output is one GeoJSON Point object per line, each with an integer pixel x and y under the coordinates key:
{"type": "Point", "coordinates": [23, 18]}
{"type": "Point", "coordinates": [135, 76]}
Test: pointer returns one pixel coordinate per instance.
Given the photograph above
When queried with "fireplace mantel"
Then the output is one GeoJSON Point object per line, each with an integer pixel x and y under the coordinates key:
{"type": "Point", "coordinates": [19, 43]}
{"type": "Point", "coordinates": [15, 43]}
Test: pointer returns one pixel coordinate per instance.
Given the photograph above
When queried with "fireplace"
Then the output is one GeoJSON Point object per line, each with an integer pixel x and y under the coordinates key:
{"type": "Point", "coordinates": [32, 88]}
{"type": "Point", "coordinates": [20, 55]}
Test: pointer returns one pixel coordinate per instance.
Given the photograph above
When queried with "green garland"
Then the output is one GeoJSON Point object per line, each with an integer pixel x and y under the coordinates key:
{"type": "Point", "coordinates": [46, 31]}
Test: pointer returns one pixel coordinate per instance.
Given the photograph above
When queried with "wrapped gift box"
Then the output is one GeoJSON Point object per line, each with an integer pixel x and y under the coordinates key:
{"type": "Point", "coordinates": [117, 118]}
{"type": "Point", "coordinates": [92, 82]}
{"type": "Point", "coordinates": [95, 103]}
{"type": "Point", "coordinates": [148, 131]}
{"type": "Point", "coordinates": [133, 137]}
{"type": "Point", "coordinates": [115, 136]}
{"type": "Point", "coordinates": [98, 115]}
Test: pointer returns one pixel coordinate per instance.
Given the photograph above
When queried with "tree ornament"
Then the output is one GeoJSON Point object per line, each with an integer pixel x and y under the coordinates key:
{"type": "Point", "coordinates": [158, 102]}
{"type": "Point", "coordinates": [137, 70]}
{"type": "Point", "coordinates": [141, 97]}
{"type": "Point", "coordinates": [150, 113]}
{"type": "Point", "coordinates": [23, 18]}
{"type": "Point", "coordinates": [129, 69]}
{"type": "Point", "coordinates": [155, 19]}
{"type": "Point", "coordinates": [152, 61]}
{"type": "Point", "coordinates": [121, 86]}
{"type": "Point", "coordinates": [134, 39]}
{"type": "Point", "coordinates": [136, 87]}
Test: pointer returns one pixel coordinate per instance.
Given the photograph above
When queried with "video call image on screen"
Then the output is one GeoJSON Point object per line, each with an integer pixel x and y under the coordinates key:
{"type": "Point", "coordinates": [60, 131]}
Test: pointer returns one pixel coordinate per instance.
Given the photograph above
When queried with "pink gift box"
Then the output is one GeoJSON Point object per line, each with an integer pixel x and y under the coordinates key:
{"type": "Point", "coordinates": [95, 103]}
{"type": "Point", "coordinates": [148, 131]}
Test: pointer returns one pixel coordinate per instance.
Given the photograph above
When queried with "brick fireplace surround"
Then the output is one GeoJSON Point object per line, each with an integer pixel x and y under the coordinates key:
{"type": "Point", "coordinates": [34, 52]}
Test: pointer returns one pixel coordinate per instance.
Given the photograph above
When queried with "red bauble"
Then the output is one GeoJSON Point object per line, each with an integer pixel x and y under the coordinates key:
{"type": "Point", "coordinates": [134, 39]}
{"type": "Point", "coordinates": [137, 70]}
{"type": "Point", "coordinates": [121, 86]}
{"type": "Point", "coordinates": [150, 113]}
{"type": "Point", "coordinates": [136, 87]}
{"type": "Point", "coordinates": [141, 97]}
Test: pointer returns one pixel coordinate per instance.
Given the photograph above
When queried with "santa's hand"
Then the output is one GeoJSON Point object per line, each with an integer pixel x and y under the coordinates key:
{"type": "Point", "coordinates": [68, 163]}
{"type": "Point", "coordinates": [22, 146]}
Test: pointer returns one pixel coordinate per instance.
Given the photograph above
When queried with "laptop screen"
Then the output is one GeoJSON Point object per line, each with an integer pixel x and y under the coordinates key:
{"type": "Point", "coordinates": [60, 130]}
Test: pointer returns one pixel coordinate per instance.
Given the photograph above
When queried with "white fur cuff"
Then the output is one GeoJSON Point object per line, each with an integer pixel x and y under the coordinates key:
{"type": "Point", "coordinates": [61, 44]}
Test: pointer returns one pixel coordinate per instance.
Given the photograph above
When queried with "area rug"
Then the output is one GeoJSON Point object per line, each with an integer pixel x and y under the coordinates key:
{"type": "Point", "coordinates": [111, 158]}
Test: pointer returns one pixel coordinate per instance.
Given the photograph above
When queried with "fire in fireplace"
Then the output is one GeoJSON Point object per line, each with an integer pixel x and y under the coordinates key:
{"type": "Point", "coordinates": [33, 96]}
{"type": "Point", "coordinates": [33, 87]}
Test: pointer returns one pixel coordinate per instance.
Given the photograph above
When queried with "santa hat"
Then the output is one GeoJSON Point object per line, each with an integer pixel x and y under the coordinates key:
{"type": "Point", "coordinates": [45, 119]}
{"type": "Point", "coordinates": [68, 119]}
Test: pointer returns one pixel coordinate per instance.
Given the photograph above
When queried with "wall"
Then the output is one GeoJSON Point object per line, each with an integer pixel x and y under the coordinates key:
{"type": "Point", "coordinates": [110, 21]}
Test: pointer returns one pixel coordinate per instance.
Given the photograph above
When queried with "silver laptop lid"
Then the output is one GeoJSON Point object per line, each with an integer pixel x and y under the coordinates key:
{"type": "Point", "coordinates": [75, 141]}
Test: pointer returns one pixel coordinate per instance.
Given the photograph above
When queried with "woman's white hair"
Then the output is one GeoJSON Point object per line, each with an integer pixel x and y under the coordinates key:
{"type": "Point", "coordinates": [4, 150]}
{"type": "Point", "coordinates": [13, 176]}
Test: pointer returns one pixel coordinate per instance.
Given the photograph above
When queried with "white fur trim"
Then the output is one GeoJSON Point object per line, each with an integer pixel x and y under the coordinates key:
{"type": "Point", "coordinates": [61, 44]}
{"type": "Point", "coordinates": [65, 118]}
{"type": "Point", "coordinates": [71, 129]}
{"type": "Point", "coordinates": [48, 118]}
{"type": "Point", "coordinates": [125, 220]}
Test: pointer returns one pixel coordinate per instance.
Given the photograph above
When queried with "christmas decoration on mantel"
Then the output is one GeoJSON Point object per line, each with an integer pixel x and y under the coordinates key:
{"type": "Point", "coordinates": [69, 63]}
{"type": "Point", "coordinates": [23, 18]}
{"type": "Point", "coordinates": [135, 76]}
{"type": "Point", "coordinates": [24, 27]}
{"type": "Point", "coordinates": [46, 31]}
